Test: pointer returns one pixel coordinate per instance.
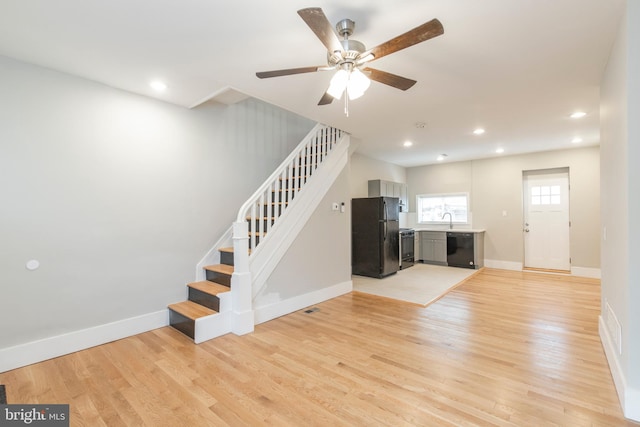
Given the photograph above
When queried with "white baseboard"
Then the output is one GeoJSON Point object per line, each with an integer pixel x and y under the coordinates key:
{"type": "Point", "coordinates": [503, 265]}
{"type": "Point", "coordinates": [629, 397]}
{"type": "Point", "coordinates": [280, 308]}
{"type": "Point", "coordinates": [593, 273]}
{"type": "Point", "coordinates": [48, 348]}
{"type": "Point", "coordinates": [518, 266]}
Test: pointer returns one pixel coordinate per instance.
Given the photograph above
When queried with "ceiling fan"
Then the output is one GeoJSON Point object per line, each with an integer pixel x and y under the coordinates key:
{"type": "Point", "coordinates": [349, 57]}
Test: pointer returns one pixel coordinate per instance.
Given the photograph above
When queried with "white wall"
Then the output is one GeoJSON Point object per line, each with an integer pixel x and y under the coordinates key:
{"type": "Point", "coordinates": [620, 209]}
{"type": "Point", "coordinates": [455, 177]}
{"type": "Point", "coordinates": [116, 195]}
{"type": "Point", "coordinates": [633, 162]}
{"type": "Point", "coordinates": [364, 169]}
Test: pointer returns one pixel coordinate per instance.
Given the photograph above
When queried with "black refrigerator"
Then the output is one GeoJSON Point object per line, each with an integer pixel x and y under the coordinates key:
{"type": "Point", "coordinates": [375, 236]}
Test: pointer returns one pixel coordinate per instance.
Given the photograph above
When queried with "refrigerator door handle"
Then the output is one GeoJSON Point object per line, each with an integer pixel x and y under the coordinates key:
{"type": "Point", "coordinates": [384, 218]}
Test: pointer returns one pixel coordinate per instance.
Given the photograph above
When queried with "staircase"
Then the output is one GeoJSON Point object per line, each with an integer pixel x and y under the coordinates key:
{"type": "Point", "coordinates": [206, 298]}
{"type": "Point", "coordinates": [221, 303]}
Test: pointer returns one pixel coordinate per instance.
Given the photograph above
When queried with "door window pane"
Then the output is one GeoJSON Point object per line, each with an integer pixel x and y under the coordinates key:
{"type": "Point", "coordinates": [545, 195]}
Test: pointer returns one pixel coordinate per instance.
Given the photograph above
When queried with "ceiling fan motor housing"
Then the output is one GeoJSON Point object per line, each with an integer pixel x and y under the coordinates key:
{"type": "Point", "coordinates": [351, 48]}
{"type": "Point", "coordinates": [345, 27]}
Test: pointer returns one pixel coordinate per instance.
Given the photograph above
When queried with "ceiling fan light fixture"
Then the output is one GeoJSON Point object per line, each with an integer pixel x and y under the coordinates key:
{"type": "Point", "coordinates": [338, 84]}
{"type": "Point", "coordinates": [357, 85]}
{"type": "Point", "coordinates": [354, 82]}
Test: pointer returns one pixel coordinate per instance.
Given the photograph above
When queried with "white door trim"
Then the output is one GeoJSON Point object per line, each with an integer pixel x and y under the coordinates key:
{"type": "Point", "coordinates": [546, 221]}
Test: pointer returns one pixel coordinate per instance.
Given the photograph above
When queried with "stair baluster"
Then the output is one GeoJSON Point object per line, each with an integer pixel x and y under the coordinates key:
{"type": "Point", "coordinates": [255, 220]}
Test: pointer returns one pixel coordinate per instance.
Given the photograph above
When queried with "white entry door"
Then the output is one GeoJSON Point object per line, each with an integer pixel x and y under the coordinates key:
{"type": "Point", "coordinates": [546, 220]}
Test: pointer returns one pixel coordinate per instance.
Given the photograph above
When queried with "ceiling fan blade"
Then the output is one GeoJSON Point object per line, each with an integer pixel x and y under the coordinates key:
{"type": "Point", "coordinates": [393, 80]}
{"type": "Point", "coordinates": [289, 71]}
{"type": "Point", "coordinates": [320, 25]}
{"type": "Point", "coordinates": [326, 99]}
{"type": "Point", "coordinates": [424, 32]}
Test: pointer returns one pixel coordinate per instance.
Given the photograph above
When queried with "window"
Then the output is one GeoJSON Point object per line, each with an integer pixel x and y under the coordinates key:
{"type": "Point", "coordinates": [431, 208]}
{"type": "Point", "coordinates": [545, 195]}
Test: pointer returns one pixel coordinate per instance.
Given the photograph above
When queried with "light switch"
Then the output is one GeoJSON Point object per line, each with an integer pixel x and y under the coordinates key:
{"type": "Point", "coordinates": [335, 206]}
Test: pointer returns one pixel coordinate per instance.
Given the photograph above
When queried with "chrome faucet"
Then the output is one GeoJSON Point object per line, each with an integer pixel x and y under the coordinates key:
{"type": "Point", "coordinates": [450, 219]}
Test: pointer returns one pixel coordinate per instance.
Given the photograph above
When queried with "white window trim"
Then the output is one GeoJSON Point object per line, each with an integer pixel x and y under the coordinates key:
{"type": "Point", "coordinates": [445, 221]}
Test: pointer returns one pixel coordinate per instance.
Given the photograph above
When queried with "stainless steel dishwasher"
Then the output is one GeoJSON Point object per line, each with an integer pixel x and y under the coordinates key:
{"type": "Point", "coordinates": [460, 250]}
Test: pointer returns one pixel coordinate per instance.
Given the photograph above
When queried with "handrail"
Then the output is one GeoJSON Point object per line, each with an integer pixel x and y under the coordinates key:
{"type": "Point", "coordinates": [269, 202]}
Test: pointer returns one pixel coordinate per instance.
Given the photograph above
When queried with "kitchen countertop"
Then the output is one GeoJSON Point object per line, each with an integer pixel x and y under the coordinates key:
{"type": "Point", "coordinates": [454, 230]}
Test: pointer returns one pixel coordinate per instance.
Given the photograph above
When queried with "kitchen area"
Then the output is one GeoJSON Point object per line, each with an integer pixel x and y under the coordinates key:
{"type": "Point", "coordinates": [387, 239]}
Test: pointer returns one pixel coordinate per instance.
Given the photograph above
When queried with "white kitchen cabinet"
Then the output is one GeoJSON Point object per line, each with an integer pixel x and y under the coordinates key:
{"type": "Point", "coordinates": [382, 188]}
{"type": "Point", "coordinates": [433, 247]}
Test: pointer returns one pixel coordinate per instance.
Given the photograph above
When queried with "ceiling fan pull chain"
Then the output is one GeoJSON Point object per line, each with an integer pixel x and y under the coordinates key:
{"type": "Point", "coordinates": [346, 102]}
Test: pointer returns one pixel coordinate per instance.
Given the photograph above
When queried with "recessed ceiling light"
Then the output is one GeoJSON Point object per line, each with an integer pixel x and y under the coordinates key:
{"type": "Point", "coordinates": [576, 140]}
{"type": "Point", "coordinates": [158, 85]}
{"type": "Point", "coordinates": [478, 131]}
{"type": "Point", "coordinates": [441, 157]}
{"type": "Point", "coordinates": [408, 143]}
{"type": "Point", "coordinates": [578, 115]}
{"type": "Point", "coordinates": [499, 150]}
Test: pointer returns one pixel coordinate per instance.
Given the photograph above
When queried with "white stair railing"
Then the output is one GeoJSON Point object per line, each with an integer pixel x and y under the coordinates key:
{"type": "Point", "coordinates": [269, 202]}
{"type": "Point", "coordinates": [262, 210]}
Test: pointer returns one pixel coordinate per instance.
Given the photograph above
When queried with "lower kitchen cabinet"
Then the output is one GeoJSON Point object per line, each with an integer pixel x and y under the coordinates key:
{"type": "Point", "coordinates": [433, 247]}
{"type": "Point", "coordinates": [467, 248]}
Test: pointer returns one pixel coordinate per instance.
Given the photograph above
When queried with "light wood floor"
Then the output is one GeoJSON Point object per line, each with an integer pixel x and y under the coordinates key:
{"type": "Point", "coordinates": [504, 348]}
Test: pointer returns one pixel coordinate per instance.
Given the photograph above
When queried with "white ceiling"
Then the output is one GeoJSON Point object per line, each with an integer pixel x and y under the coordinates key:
{"type": "Point", "coordinates": [517, 68]}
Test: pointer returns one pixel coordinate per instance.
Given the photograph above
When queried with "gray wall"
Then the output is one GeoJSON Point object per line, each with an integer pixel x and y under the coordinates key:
{"type": "Point", "coordinates": [495, 185]}
{"type": "Point", "coordinates": [620, 176]}
{"type": "Point", "coordinates": [117, 196]}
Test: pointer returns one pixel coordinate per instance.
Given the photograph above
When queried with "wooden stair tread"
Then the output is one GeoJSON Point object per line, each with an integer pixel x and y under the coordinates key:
{"type": "Point", "coordinates": [220, 268]}
{"type": "Point", "coordinates": [191, 309]}
{"type": "Point", "coordinates": [208, 287]}
{"type": "Point", "coordinates": [230, 249]}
